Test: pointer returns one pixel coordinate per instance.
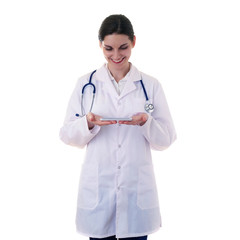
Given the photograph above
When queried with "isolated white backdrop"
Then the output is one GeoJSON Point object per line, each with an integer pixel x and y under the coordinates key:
{"type": "Point", "coordinates": [192, 47]}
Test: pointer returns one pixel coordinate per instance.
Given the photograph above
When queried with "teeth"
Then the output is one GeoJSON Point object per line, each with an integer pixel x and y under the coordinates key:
{"type": "Point", "coordinates": [118, 61]}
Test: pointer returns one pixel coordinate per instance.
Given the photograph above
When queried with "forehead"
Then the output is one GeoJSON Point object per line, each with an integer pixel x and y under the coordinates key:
{"type": "Point", "coordinates": [116, 40]}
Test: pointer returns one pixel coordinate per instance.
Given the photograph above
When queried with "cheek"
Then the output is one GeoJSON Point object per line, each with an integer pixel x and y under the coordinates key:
{"type": "Point", "coordinates": [106, 54]}
{"type": "Point", "coordinates": [127, 53]}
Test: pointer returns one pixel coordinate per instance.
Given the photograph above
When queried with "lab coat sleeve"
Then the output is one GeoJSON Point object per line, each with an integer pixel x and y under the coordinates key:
{"type": "Point", "coordinates": [75, 131]}
{"type": "Point", "coordinates": [159, 129]}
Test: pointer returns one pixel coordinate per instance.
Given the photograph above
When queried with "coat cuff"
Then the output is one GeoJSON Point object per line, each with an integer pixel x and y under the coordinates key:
{"type": "Point", "coordinates": [93, 131]}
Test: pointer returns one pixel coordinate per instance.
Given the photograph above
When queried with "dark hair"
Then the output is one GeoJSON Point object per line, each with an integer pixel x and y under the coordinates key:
{"type": "Point", "coordinates": [118, 24]}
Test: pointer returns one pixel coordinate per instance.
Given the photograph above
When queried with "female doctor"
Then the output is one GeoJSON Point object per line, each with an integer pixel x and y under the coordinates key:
{"type": "Point", "coordinates": [118, 195]}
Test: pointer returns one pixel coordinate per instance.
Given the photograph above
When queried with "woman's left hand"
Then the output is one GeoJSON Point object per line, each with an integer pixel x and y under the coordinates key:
{"type": "Point", "coordinates": [138, 119]}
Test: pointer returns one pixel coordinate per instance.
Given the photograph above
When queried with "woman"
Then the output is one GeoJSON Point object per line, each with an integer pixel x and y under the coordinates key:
{"type": "Point", "coordinates": [117, 190]}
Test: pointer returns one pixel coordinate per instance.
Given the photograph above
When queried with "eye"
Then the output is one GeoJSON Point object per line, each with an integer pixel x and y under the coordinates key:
{"type": "Point", "coordinates": [108, 49]}
{"type": "Point", "coordinates": [123, 48]}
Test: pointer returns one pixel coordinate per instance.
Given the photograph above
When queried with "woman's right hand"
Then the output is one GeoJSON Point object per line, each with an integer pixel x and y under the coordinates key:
{"type": "Point", "coordinates": [94, 119]}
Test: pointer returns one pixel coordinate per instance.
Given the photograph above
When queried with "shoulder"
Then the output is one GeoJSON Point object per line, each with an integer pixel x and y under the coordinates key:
{"type": "Point", "coordinates": [98, 74]}
{"type": "Point", "coordinates": [142, 75]}
{"type": "Point", "coordinates": [149, 80]}
{"type": "Point", "coordinates": [151, 84]}
{"type": "Point", "coordinates": [82, 80]}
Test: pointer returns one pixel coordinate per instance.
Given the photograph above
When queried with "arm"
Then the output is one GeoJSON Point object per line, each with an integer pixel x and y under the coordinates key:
{"type": "Point", "coordinates": [159, 129]}
{"type": "Point", "coordinates": [75, 130]}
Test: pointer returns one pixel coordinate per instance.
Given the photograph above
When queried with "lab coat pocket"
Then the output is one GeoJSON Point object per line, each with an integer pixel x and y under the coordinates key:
{"type": "Point", "coordinates": [147, 196]}
{"type": "Point", "coordinates": [88, 186]}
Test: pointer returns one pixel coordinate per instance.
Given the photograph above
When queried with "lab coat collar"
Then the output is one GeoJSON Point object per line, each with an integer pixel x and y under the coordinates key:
{"type": "Point", "coordinates": [103, 76]}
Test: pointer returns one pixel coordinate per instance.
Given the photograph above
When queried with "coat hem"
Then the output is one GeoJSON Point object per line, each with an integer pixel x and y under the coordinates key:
{"type": "Point", "coordinates": [119, 235]}
{"type": "Point", "coordinates": [95, 236]}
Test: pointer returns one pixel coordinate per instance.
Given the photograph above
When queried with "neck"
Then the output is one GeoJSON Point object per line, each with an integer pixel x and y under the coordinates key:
{"type": "Point", "coordinates": [119, 74]}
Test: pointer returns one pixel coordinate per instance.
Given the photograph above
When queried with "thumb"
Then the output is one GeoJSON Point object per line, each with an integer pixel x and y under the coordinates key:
{"type": "Point", "coordinates": [91, 117]}
{"type": "Point", "coordinates": [144, 118]}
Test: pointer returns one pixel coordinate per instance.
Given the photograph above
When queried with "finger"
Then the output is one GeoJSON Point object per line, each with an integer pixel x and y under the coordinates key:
{"type": "Point", "coordinates": [109, 122]}
{"type": "Point", "coordinates": [102, 123]}
{"type": "Point", "coordinates": [144, 118]}
{"type": "Point", "coordinates": [125, 122]}
{"type": "Point", "coordinates": [128, 122]}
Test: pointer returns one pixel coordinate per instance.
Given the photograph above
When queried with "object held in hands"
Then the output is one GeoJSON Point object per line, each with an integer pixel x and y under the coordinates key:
{"type": "Point", "coordinates": [116, 119]}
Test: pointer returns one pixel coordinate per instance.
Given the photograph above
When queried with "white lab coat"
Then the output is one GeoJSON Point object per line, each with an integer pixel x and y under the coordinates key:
{"type": "Point", "coordinates": [117, 188]}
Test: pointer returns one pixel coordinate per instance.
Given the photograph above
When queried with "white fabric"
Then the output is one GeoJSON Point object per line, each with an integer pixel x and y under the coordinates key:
{"type": "Point", "coordinates": [117, 189]}
{"type": "Point", "coordinates": [119, 85]}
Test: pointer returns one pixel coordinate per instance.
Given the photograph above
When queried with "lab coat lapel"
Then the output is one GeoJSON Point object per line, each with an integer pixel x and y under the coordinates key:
{"type": "Point", "coordinates": [108, 88]}
{"type": "Point", "coordinates": [130, 85]}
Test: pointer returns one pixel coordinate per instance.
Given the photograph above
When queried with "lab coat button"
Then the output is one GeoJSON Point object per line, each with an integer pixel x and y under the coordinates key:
{"type": "Point", "coordinates": [119, 145]}
{"type": "Point", "coordinates": [119, 167]}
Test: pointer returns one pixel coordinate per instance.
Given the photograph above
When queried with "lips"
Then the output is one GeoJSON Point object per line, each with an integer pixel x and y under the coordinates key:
{"type": "Point", "coordinates": [119, 61]}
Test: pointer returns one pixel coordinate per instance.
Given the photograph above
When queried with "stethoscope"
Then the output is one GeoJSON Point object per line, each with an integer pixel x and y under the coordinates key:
{"type": "Point", "coordinates": [149, 107]}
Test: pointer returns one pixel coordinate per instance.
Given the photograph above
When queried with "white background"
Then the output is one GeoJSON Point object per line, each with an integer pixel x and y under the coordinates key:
{"type": "Point", "coordinates": [192, 47]}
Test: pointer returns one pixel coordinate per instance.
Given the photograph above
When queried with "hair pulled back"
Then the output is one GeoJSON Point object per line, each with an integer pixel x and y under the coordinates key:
{"type": "Point", "coordinates": [118, 24]}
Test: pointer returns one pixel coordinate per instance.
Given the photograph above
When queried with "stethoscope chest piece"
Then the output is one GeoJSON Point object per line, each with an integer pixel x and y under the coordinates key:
{"type": "Point", "coordinates": [149, 107]}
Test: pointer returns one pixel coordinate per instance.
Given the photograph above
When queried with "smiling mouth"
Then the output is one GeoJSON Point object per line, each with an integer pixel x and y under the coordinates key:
{"type": "Point", "coordinates": [117, 62]}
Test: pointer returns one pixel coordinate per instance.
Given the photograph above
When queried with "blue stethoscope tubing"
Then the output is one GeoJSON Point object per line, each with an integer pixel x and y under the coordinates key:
{"type": "Point", "coordinates": [94, 91]}
{"type": "Point", "coordinates": [149, 107]}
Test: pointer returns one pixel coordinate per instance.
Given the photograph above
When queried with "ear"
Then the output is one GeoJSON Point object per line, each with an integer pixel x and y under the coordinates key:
{"type": "Point", "coordinates": [134, 41]}
{"type": "Point", "coordinates": [100, 44]}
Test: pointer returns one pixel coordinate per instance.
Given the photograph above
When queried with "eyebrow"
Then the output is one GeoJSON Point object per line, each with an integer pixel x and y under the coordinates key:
{"type": "Point", "coordinates": [111, 46]}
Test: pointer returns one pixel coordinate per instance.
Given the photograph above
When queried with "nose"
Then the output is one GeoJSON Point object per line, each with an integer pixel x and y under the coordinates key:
{"type": "Point", "coordinates": [116, 55]}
